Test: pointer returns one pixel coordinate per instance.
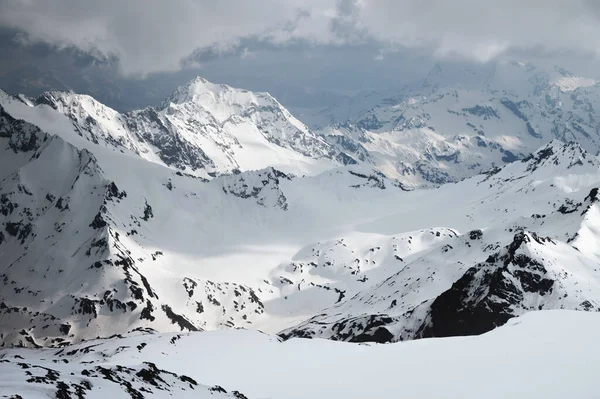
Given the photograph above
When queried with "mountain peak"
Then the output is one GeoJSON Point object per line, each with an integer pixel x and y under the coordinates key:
{"type": "Point", "coordinates": [569, 148]}
{"type": "Point", "coordinates": [243, 112]}
{"type": "Point", "coordinates": [201, 90]}
{"type": "Point", "coordinates": [557, 154]}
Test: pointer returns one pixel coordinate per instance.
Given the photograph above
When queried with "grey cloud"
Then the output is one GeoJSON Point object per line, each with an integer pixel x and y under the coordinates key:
{"type": "Point", "coordinates": [484, 29]}
{"type": "Point", "coordinates": [594, 7]}
{"type": "Point", "coordinates": [156, 35]}
{"type": "Point", "coordinates": [346, 23]}
{"type": "Point", "coordinates": [150, 35]}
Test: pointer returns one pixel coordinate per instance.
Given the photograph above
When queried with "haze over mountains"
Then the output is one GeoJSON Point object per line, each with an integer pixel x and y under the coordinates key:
{"type": "Point", "coordinates": [458, 122]}
{"type": "Point", "coordinates": [448, 209]}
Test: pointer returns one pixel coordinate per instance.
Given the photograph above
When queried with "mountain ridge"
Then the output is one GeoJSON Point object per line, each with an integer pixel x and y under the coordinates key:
{"type": "Point", "coordinates": [180, 134]}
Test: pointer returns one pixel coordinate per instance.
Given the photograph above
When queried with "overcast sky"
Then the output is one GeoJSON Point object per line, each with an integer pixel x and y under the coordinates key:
{"type": "Point", "coordinates": [156, 35]}
{"type": "Point", "coordinates": [341, 45]}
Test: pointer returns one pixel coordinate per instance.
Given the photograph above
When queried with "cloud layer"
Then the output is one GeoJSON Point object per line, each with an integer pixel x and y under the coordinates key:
{"type": "Point", "coordinates": [157, 35]}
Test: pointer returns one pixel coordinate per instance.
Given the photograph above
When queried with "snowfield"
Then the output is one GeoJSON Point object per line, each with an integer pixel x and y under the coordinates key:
{"type": "Point", "coordinates": [546, 355]}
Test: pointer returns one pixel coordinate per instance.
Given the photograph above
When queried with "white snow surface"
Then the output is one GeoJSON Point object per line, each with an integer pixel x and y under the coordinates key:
{"type": "Point", "coordinates": [547, 355]}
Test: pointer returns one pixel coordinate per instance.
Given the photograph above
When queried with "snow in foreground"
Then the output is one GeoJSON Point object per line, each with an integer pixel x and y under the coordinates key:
{"type": "Point", "coordinates": [548, 354]}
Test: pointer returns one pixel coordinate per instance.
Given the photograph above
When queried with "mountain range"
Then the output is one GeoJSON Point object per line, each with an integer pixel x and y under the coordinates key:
{"type": "Point", "coordinates": [447, 211]}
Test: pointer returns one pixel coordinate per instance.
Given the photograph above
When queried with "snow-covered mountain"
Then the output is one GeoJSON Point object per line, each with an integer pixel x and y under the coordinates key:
{"type": "Point", "coordinates": [100, 237]}
{"type": "Point", "coordinates": [97, 239]}
{"type": "Point", "coordinates": [203, 129]}
{"type": "Point", "coordinates": [460, 121]}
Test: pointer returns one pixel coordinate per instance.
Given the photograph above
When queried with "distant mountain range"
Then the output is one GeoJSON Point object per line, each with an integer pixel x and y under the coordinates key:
{"type": "Point", "coordinates": [458, 122]}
